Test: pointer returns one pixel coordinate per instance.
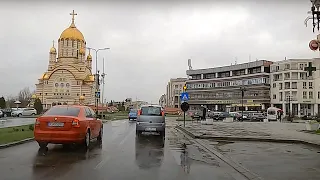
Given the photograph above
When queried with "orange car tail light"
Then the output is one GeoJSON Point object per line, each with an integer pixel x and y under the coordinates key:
{"type": "Point", "coordinates": [76, 123]}
{"type": "Point", "coordinates": [37, 122]}
{"type": "Point", "coordinates": [139, 112]}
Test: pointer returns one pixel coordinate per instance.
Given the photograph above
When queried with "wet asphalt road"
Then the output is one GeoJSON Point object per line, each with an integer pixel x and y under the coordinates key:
{"type": "Point", "coordinates": [15, 121]}
{"type": "Point", "coordinates": [121, 155]}
{"type": "Point", "coordinates": [274, 161]}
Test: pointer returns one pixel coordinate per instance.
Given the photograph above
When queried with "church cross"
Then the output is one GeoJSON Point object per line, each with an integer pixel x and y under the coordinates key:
{"type": "Point", "coordinates": [53, 43]}
{"type": "Point", "coordinates": [310, 69]}
{"type": "Point", "coordinates": [73, 14]}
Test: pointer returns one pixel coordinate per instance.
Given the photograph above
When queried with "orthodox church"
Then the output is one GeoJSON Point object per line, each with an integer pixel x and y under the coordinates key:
{"type": "Point", "coordinates": [69, 78]}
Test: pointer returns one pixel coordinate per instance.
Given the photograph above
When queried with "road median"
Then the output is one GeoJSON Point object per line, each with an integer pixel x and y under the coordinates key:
{"type": "Point", "coordinates": [11, 136]}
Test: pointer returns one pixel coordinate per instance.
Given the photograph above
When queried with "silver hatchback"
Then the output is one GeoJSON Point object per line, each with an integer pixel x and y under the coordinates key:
{"type": "Point", "coordinates": [151, 118]}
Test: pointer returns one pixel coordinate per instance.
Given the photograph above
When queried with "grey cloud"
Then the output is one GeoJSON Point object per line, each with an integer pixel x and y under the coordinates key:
{"type": "Point", "coordinates": [151, 42]}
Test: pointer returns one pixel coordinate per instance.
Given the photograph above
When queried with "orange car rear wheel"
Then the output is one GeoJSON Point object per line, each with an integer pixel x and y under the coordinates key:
{"type": "Point", "coordinates": [43, 144]}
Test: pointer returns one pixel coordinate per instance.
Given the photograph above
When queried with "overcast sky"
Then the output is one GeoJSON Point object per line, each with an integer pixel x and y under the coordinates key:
{"type": "Point", "coordinates": [150, 42]}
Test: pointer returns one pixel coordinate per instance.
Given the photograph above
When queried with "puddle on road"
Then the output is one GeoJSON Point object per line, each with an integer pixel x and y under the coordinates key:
{"type": "Point", "coordinates": [187, 153]}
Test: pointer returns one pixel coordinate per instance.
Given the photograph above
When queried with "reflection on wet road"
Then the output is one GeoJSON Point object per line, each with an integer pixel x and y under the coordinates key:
{"type": "Point", "coordinates": [121, 155]}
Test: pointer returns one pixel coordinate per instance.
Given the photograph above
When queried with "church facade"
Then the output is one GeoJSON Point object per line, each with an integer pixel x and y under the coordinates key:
{"type": "Point", "coordinates": [69, 78]}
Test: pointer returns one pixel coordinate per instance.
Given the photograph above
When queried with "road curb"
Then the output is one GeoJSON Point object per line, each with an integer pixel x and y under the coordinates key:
{"type": "Point", "coordinates": [16, 143]}
{"type": "Point", "coordinates": [239, 168]}
{"type": "Point", "coordinates": [253, 139]}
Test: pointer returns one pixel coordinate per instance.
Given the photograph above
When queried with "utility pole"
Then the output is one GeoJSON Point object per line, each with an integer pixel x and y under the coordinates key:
{"type": "Point", "coordinates": [97, 88]}
{"type": "Point", "coordinates": [242, 89]}
{"type": "Point", "coordinates": [103, 75]}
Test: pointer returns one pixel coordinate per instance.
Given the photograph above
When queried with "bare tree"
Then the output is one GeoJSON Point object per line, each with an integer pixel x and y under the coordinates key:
{"type": "Point", "coordinates": [24, 96]}
{"type": "Point", "coordinates": [10, 101]}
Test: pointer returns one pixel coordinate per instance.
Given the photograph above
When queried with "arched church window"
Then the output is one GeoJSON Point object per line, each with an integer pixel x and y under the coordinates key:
{"type": "Point", "coordinates": [72, 43]}
{"type": "Point", "coordinates": [67, 42]}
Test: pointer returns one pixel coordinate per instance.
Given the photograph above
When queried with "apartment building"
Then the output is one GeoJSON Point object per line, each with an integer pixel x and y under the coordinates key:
{"type": "Point", "coordinates": [174, 89]}
{"type": "Point", "coordinates": [219, 88]}
{"type": "Point", "coordinates": [292, 88]}
{"type": "Point", "coordinates": [162, 100]}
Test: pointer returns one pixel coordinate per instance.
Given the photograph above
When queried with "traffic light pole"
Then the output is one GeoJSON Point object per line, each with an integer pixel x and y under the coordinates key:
{"type": "Point", "coordinates": [184, 119]}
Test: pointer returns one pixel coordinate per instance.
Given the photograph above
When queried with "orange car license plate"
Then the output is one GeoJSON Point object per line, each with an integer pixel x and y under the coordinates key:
{"type": "Point", "coordinates": [55, 124]}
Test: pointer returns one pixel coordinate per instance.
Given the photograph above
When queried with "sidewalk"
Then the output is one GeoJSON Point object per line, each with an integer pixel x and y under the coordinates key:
{"type": "Point", "coordinates": [271, 131]}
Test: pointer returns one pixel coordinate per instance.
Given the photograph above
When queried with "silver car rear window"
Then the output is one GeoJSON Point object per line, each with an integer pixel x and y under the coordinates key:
{"type": "Point", "coordinates": [151, 111]}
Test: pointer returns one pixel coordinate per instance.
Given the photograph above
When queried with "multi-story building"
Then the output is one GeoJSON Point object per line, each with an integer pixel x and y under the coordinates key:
{"type": "Point", "coordinates": [219, 88]}
{"type": "Point", "coordinates": [174, 89]}
{"type": "Point", "coordinates": [292, 88]}
{"type": "Point", "coordinates": [162, 100]}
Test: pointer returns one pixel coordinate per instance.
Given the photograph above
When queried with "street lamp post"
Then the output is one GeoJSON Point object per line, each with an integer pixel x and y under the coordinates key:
{"type": "Point", "coordinates": [242, 89]}
{"type": "Point", "coordinates": [97, 75]}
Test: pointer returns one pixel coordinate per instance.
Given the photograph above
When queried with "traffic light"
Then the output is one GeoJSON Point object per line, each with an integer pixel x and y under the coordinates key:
{"type": "Point", "coordinates": [184, 88]}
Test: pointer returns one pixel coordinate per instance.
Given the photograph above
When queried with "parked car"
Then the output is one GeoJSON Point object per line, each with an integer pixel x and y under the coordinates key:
{"type": "Point", "coordinates": [133, 114]}
{"type": "Point", "coordinates": [256, 117]}
{"type": "Point", "coordinates": [196, 115]}
{"type": "Point", "coordinates": [151, 118]}
{"type": "Point", "coordinates": [219, 115]}
{"type": "Point", "coordinates": [29, 112]}
{"type": "Point", "coordinates": [16, 112]}
{"type": "Point", "coordinates": [64, 124]}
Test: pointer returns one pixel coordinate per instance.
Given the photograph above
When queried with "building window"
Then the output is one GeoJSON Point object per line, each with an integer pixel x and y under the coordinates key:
{"type": "Point", "coordinates": [77, 94]}
{"type": "Point", "coordinates": [280, 86]}
{"type": "Point", "coordinates": [304, 85]}
{"type": "Point", "coordinates": [301, 66]}
{"type": "Point", "coordinates": [46, 94]}
{"type": "Point", "coordinates": [318, 94]}
{"type": "Point", "coordinates": [280, 96]}
{"type": "Point", "coordinates": [84, 94]}
{"type": "Point", "coordinates": [274, 96]}
{"type": "Point", "coordinates": [274, 85]}
{"type": "Point", "coordinates": [310, 95]}
{"type": "Point", "coordinates": [310, 85]}
{"type": "Point", "coordinates": [304, 95]}
{"type": "Point", "coordinates": [294, 85]}
{"type": "Point", "coordinates": [286, 75]}
{"type": "Point", "coordinates": [287, 66]}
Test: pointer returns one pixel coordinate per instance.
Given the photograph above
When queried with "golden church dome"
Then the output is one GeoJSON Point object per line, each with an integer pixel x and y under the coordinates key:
{"type": "Point", "coordinates": [82, 51]}
{"type": "Point", "coordinates": [44, 76]}
{"type": "Point", "coordinates": [81, 97]}
{"type": "Point", "coordinates": [72, 32]}
{"type": "Point", "coordinates": [34, 96]}
{"type": "Point", "coordinates": [89, 57]}
{"type": "Point", "coordinates": [53, 49]}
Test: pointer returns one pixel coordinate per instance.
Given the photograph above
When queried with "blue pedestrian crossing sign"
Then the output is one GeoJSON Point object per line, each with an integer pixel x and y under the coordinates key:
{"type": "Point", "coordinates": [97, 94]}
{"type": "Point", "coordinates": [184, 96]}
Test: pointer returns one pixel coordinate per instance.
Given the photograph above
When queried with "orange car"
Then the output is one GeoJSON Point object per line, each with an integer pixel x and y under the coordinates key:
{"type": "Point", "coordinates": [65, 124]}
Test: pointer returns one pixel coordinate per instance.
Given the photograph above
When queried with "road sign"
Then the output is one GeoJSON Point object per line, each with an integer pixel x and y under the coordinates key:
{"type": "Point", "coordinates": [184, 106]}
{"type": "Point", "coordinates": [98, 94]}
{"type": "Point", "coordinates": [313, 45]}
{"type": "Point", "coordinates": [184, 96]}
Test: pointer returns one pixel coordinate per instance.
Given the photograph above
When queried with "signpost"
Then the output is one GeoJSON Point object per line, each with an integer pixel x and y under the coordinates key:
{"type": "Point", "coordinates": [97, 94]}
{"type": "Point", "coordinates": [184, 108]}
{"type": "Point", "coordinates": [313, 45]}
{"type": "Point", "coordinates": [184, 97]}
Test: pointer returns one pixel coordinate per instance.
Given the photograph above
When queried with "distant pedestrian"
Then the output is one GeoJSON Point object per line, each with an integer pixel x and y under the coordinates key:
{"type": "Point", "coordinates": [204, 113]}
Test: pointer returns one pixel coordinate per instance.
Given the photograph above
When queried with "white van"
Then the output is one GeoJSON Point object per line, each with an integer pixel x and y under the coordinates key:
{"type": "Point", "coordinates": [272, 113]}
